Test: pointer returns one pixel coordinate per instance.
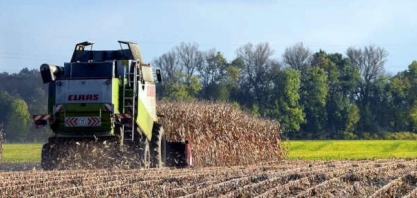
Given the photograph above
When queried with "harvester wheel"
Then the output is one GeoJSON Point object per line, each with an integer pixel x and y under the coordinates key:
{"type": "Point", "coordinates": [158, 146]}
{"type": "Point", "coordinates": [47, 160]}
{"type": "Point", "coordinates": [144, 153]}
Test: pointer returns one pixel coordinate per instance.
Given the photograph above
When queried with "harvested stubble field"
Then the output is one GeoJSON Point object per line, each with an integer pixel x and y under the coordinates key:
{"type": "Point", "coordinates": [236, 155]}
{"type": "Point", "coordinates": [284, 178]}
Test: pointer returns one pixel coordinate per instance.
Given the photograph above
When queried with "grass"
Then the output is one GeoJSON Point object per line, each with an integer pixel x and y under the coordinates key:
{"type": "Point", "coordinates": [310, 150]}
{"type": "Point", "coordinates": [352, 149]}
{"type": "Point", "coordinates": [22, 152]}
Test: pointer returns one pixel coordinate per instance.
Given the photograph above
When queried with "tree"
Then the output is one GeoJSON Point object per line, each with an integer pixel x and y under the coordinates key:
{"type": "Point", "coordinates": [212, 72]}
{"type": "Point", "coordinates": [342, 80]}
{"type": "Point", "coordinates": [379, 105]}
{"type": "Point", "coordinates": [313, 99]}
{"type": "Point", "coordinates": [288, 110]}
{"type": "Point", "coordinates": [370, 63]}
{"type": "Point", "coordinates": [15, 116]}
{"type": "Point", "coordinates": [168, 64]}
{"type": "Point", "coordinates": [399, 89]}
{"type": "Point", "coordinates": [255, 75]}
{"type": "Point", "coordinates": [190, 58]}
{"type": "Point", "coordinates": [297, 56]}
{"type": "Point", "coordinates": [403, 99]}
{"type": "Point", "coordinates": [180, 90]}
{"type": "Point", "coordinates": [228, 85]}
{"type": "Point", "coordinates": [18, 121]}
{"type": "Point", "coordinates": [352, 119]}
{"type": "Point", "coordinates": [5, 105]}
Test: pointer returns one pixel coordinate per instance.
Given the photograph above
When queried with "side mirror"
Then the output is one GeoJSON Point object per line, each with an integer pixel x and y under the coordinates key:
{"type": "Point", "coordinates": [158, 75]}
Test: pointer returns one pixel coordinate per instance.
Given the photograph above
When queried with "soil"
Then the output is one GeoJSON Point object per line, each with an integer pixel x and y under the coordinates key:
{"type": "Point", "coordinates": [284, 178]}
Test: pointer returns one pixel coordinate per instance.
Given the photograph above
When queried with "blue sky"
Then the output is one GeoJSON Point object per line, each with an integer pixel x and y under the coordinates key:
{"type": "Point", "coordinates": [36, 32]}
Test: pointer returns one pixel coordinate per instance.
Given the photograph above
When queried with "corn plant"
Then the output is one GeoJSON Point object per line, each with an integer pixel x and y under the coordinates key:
{"type": "Point", "coordinates": [221, 134]}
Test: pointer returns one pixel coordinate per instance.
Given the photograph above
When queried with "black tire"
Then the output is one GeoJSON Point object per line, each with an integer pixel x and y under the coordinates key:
{"type": "Point", "coordinates": [144, 153]}
{"type": "Point", "coordinates": [47, 160]}
{"type": "Point", "coordinates": [158, 146]}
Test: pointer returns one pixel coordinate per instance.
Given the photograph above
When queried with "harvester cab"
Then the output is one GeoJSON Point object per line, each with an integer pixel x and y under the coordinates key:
{"type": "Point", "coordinates": [107, 96]}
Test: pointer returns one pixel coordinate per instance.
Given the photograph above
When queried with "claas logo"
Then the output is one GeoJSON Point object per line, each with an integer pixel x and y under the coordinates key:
{"type": "Point", "coordinates": [83, 97]}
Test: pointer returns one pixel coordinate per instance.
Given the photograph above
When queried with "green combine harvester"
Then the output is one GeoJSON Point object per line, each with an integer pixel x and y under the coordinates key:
{"type": "Point", "coordinates": [105, 101]}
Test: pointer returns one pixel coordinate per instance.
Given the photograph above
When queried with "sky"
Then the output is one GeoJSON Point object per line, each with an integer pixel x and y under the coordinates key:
{"type": "Point", "coordinates": [46, 31]}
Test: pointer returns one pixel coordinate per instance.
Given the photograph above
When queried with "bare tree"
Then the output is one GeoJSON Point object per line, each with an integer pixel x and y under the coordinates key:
{"type": "Point", "coordinates": [168, 63]}
{"type": "Point", "coordinates": [370, 61]}
{"type": "Point", "coordinates": [257, 60]}
{"type": "Point", "coordinates": [297, 56]}
{"type": "Point", "coordinates": [190, 58]}
{"type": "Point", "coordinates": [257, 65]}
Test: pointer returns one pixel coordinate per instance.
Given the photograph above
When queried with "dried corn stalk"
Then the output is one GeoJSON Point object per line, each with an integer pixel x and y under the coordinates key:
{"type": "Point", "coordinates": [221, 134]}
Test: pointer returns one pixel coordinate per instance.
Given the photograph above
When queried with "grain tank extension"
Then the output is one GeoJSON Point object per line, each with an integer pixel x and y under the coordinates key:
{"type": "Point", "coordinates": [106, 97]}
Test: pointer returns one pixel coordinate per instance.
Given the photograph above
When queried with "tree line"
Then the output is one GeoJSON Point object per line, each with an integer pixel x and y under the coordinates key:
{"type": "Point", "coordinates": [21, 95]}
{"type": "Point", "coordinates": [314, 95]}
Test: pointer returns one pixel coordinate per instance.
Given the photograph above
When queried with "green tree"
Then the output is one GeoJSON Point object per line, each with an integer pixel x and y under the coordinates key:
{"type": "Point", "coordinates": [380, 105]}
{"type": "Point", "coordinates": [228, 84]}
{"type": "Point", "coordinates": [342, 81]}
{"type": "Point", "coordinates": [180, 90]}
{"type": "Point", "coordinates": [18, 121]}
{"type": "Point", "coordinates": [289, 112]}
{"type": "Point", "coordinates": [403, 99]}
{"type": "Point", "coordinates": [399, 89]}
{"type": "Point", "coordinates": [313, 98]}
{"type": "Point", "coordinates": [28, 86]}
{"type": "Point", "coordinates": [5, 104]}
{"type": "Point", "coordinates": [212, 72]}
{"type": "Point", "coordinates": [15, 116]}
{"type": "Point", "coordinates": [353, 118]}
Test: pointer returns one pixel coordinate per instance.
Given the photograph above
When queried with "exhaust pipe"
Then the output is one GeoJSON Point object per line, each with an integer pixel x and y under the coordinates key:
{"type": "Point", "coordinates": [51, 72]}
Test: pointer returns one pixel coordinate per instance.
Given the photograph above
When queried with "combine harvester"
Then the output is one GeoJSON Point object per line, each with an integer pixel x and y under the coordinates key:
{"type": "Point", "coordinates": [105, 100]}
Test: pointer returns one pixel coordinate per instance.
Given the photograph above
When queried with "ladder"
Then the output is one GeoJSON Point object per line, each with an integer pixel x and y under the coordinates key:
{"type": "Point", "coordinates": [129, 101]}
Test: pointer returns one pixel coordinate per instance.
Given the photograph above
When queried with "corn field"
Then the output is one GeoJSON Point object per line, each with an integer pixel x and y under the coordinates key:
{"type": "Point", "coordinates": [236, 155]}
{"type": "Point", "coordinates": [221, 134]}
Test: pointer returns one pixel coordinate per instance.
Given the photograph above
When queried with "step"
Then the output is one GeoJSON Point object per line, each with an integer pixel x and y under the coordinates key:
{"type": "Point", "coordinates": [127, 128]}
{"type": "Point", "coordinates": [127, 136]}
